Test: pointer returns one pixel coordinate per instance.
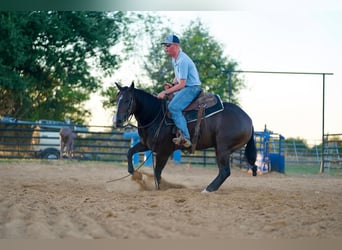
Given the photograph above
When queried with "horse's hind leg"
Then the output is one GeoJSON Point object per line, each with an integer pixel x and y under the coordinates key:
{"type": "Point", "coordinates": [251, 154]}
{"type": "Point", "coordinates": [161, 161]}
{"type": "Point", "coordinates": [224, 172]}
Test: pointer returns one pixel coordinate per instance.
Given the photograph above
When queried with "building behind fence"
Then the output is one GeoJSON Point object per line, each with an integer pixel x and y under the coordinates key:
{"type": "Point", "coordinates": [29, 140]}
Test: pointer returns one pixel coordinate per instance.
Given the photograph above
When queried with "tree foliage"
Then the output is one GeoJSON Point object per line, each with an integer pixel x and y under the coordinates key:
{"type": "Point", "coordinates": [51, 61]}
{"type": "Point", "coordinates": [299, 142]}
{"type": "Point", "coordinates": [144, 31]}
{"type": "Point", "coordinates": [207, 54]}
{"type": "Point", "coordinates": [47, 59]}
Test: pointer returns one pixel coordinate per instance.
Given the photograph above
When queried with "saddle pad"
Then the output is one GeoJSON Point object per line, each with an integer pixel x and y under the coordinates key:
{"type": "Point", "coordinates": [191, 115]}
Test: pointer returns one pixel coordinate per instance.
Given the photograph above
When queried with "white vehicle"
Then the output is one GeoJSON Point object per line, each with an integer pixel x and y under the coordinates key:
{"type": "Point", "coordinates": [45, 139]}
{"type": "Point", "coordinates": [45, 143]}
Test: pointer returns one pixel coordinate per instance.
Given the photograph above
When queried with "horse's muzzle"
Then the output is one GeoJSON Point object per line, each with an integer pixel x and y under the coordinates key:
{"type": "Point", "coordinates": [117, 122]}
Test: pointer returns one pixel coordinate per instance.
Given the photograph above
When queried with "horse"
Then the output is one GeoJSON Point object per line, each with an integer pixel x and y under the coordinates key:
{"type": "Point", "coordinates": [66, 137]}
{"type": "Point", "coordinates": [226, 131]}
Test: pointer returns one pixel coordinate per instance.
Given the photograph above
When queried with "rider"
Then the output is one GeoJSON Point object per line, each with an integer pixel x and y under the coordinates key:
{"type": "Point", "coordinates": [185, 87]}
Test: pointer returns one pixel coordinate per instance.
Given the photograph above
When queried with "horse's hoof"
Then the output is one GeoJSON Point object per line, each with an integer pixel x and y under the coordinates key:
{"type": "Point", "coordinates": [137, 176]}
{"type": "Point", "coordinates": [205, 191]}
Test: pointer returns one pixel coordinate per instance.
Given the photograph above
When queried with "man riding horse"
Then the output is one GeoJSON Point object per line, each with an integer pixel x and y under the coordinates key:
{"type": "Point", "coordinates": [185, 87]}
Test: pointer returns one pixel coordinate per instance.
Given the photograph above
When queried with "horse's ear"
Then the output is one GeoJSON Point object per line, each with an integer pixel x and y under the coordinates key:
{"type": "Point", "coordinates": [132, 85]}
{"type": "Point", "coordinates": [118, 86]}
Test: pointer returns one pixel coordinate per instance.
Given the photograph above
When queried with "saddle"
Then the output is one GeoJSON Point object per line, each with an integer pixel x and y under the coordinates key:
{"type": "Point", "coordinates": [208, 102]}
{"type": "Point", "coordinates": [205, 105]}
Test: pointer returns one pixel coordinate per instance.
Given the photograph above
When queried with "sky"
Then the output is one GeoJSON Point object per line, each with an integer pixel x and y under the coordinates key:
{"type": "Point", "coordinates": [281, 41]}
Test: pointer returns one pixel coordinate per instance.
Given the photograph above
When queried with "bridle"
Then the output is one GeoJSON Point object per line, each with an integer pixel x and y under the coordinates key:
{"type": "Point", "coordinates": [129, 115]}
{"type": "Point", "coordinates": [130, 107]}
{"type": "Point", "coordinates": [150, 123]}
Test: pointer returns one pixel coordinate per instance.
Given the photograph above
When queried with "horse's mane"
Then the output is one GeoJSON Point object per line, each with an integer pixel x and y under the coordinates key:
{"type": "Point", "coordinates": [148, 100]}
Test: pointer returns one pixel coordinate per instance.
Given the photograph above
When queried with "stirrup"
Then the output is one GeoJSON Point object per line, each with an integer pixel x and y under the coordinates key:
{"type": "Point", "coordinates": [187, 143]}
{"type": "Point", "coordinates": [182, 141]}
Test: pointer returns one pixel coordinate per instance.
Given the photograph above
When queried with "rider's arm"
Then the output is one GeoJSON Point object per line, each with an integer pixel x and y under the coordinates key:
{"type": "Point", "coordinates": [181, 84]}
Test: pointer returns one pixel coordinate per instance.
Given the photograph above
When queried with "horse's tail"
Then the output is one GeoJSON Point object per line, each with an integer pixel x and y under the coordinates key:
{"type": "Point", "coordinates": [251, 153]}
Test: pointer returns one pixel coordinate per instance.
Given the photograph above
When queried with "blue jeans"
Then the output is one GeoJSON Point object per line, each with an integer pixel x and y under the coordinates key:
{"type": "Point", "coordinates": [179, 102]}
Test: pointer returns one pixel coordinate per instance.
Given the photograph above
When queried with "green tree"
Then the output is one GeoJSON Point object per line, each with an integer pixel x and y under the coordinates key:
{"type": "Point", "coordinates": [47, 60]}
{"type": "Point", "coordinates": [207, 54]}
{"type": "Point", "coordinates": [299, 142]}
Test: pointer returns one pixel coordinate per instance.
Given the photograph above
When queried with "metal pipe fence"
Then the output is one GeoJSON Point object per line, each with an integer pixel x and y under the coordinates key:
{"type": "Point", "coordinates": [37, 140]}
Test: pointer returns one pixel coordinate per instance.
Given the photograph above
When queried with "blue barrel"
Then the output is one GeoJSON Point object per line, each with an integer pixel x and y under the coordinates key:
{"type": "Point", "coordinates": [277, 163]}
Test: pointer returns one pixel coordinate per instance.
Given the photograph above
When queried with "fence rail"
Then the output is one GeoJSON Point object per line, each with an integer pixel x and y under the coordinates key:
{"type": "Point", "coordinates": [34, 140]}
{"type": "Point", "coordinates": [333, 151]}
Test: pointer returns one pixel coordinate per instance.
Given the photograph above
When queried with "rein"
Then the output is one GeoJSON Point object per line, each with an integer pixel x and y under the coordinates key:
{"type": "Point", "coordinates": [123, 177]}
{"type": "Point", "coordinates": [130, 112]}
{"type": "Point", "coordinates": [148, 124]}
{"type": "Point", "coordinates": [155, 138]}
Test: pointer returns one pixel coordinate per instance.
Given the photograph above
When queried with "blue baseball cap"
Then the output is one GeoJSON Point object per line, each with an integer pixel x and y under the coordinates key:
{"type": "Point", "coordinates": [171, 39]}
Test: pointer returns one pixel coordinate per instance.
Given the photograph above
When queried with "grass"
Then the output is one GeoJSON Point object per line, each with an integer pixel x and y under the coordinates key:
{"type": "Point", "coordinates": [310, 169]}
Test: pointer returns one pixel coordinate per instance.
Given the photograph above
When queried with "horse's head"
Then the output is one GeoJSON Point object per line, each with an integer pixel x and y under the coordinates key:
{"type": "Point", "coordinates": [125, 104]}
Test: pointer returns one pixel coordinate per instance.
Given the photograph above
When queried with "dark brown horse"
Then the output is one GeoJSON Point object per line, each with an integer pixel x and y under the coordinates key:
{"type": "Point", "coordinates": [226, 131]}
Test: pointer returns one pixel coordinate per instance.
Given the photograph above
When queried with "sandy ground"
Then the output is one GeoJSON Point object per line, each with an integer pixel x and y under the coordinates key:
{"type": "Point", "coordinates": [70, 199]}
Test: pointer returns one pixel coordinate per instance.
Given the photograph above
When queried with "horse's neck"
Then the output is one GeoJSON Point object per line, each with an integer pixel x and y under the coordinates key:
{"type": "Point", "coordinates": [147, 109]}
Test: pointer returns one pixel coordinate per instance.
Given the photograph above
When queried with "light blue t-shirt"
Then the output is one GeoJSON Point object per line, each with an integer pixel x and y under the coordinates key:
{"type": "Point", "coordinates": [185, 68]}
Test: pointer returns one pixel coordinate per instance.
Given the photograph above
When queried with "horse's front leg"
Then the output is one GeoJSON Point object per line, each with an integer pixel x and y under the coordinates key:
{"type": "Point", "coordinates": [139, 147]}
{"type": "Point", "coordinates": [161, 161]}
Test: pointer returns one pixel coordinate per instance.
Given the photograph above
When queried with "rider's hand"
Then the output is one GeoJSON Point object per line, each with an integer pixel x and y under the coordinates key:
{"type": "Point", "coordinates": [168, 85]}
{"type": "Point", "coordinates": [162, 95]}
